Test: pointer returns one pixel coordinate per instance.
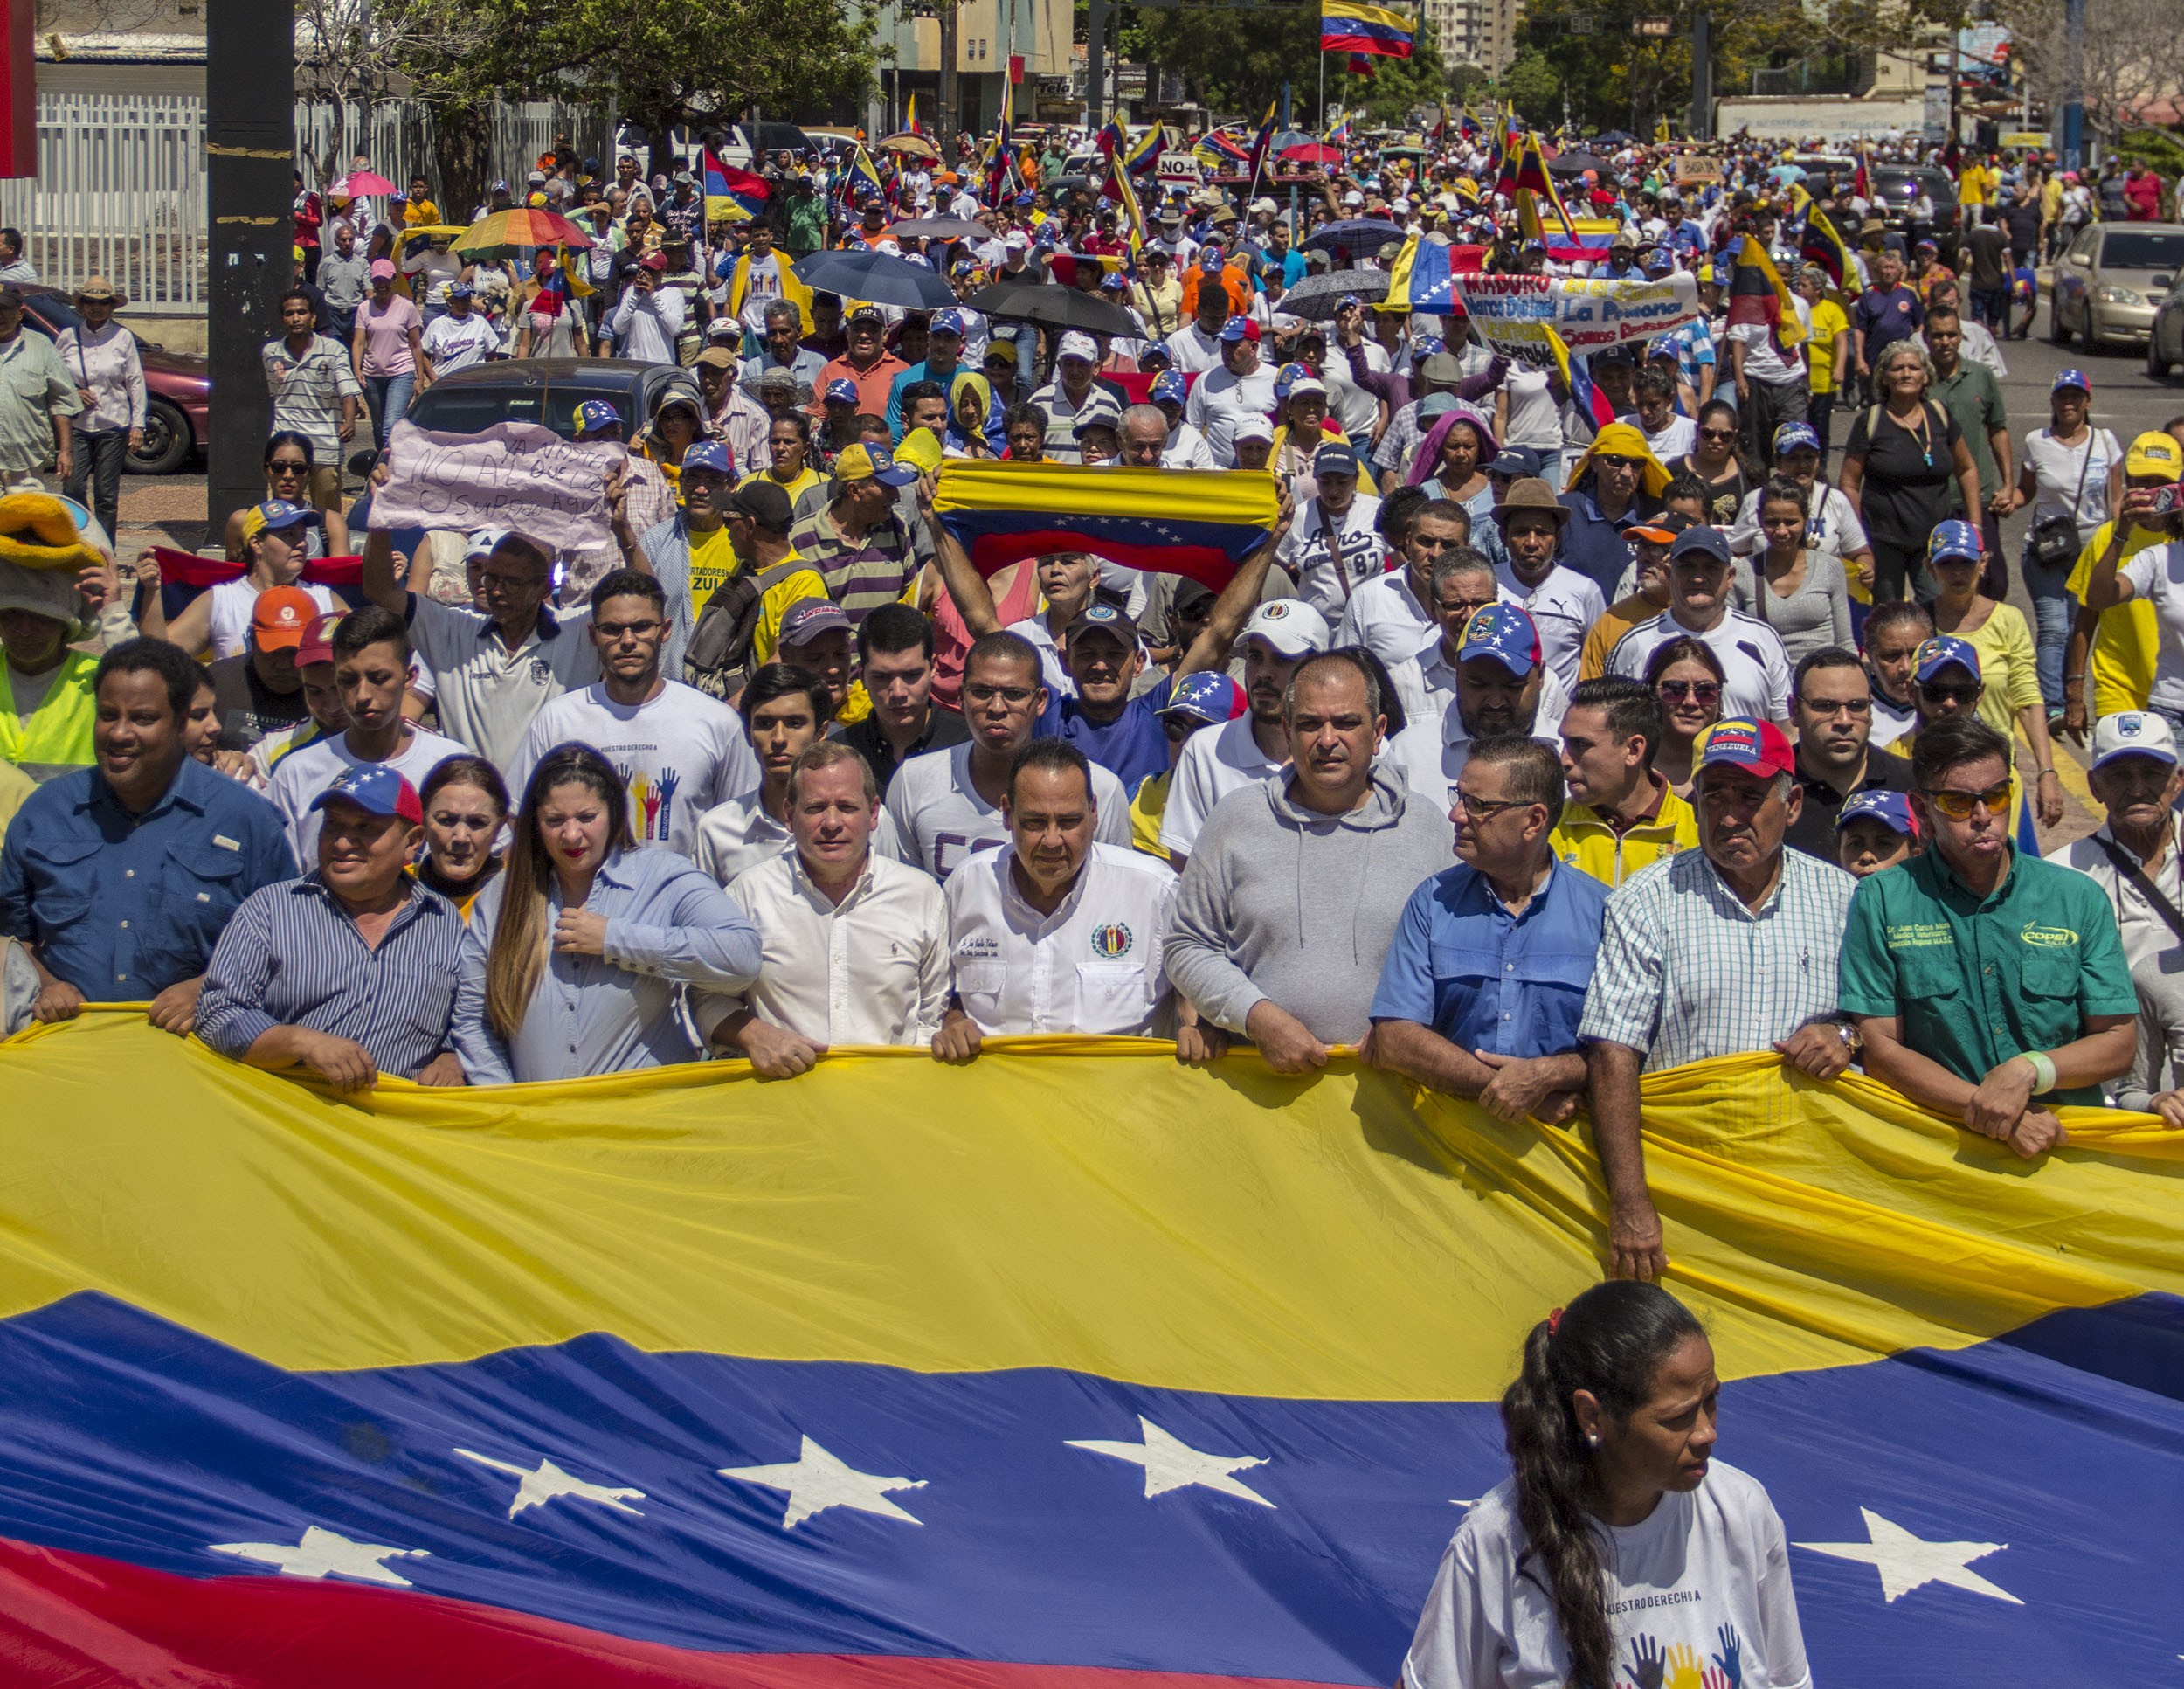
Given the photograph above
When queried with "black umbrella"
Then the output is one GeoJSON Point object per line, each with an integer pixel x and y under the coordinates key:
{"type": "Point", "coordinates": [878, 277]}
{"type": "Point", "coordinates": [1357, 236]}
{"type": "Point", "coordinates": [1578, 164]}
{"type": "Point", "coordinates": [1055, 306]}
{"type": "Point", "coordinates": [1616, 138]}
{"type": "Point", "coordinates": [1315, 297]}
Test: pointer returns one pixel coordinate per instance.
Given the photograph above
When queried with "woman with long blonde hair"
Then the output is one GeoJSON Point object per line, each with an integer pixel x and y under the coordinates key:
{"type": "Point", "coordinates": [579, 957]}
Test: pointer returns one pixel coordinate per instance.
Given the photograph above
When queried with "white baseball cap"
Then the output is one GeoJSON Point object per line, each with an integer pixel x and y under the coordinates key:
{"type": "Point", "coordinates": [1074, 344]}
{"type": "Point", "coordinates": [1291, 627]}
{"type": "Point", "coordinates": [2133, 733]}
{"type": "Point", "coordinates": [1253, 428]}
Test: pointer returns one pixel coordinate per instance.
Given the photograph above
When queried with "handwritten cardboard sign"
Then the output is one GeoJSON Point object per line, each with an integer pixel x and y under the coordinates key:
{"type": "Point", "coordinates": [513, 474]}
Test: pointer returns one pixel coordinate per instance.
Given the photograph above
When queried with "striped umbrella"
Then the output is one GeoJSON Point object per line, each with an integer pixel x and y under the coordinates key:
{"type": "Point", "coordinates": [507, 234]}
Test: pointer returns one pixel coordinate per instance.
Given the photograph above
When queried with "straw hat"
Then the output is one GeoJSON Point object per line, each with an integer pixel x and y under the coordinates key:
{"type": "Point", "coordinates": [97, 286]}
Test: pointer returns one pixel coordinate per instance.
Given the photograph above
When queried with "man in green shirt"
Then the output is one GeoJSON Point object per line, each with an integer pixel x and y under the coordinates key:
{"type": "Point", "coordinates": [1982, 978]}
{"type": "Point", "coordinates": [1971, 394]}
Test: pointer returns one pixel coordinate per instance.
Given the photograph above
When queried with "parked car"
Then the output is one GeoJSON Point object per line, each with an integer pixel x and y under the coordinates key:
{"type": "Point", "coordinates": [178, 386]}
{"type": "Point", "coordinates": [2165, 340]}
{"type": "Point", "coordinates": [2111, 281]}
{"type": "Point", "coordinates": [546, 390]}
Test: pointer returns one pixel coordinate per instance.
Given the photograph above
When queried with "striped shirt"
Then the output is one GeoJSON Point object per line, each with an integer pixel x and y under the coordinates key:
{"type": "Point", "coordinates": [307, 391]}
{"type": "Point", "coordinates": [1687, 971]}
{"type": "Point", "coordinates": [293, 957]}
{"type": "Point", "coordinates": [859, 576]}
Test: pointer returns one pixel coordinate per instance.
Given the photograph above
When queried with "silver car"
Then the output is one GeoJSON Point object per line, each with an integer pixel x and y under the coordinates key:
{"type": "Point", "coordinates": [2111, 280]}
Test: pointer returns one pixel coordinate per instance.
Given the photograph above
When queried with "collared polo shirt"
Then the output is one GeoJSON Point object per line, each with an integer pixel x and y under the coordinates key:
{"type": "Point", "coordinates": [293, 956]}
{"type": "Point", "coordinates": [1975, 980]}
{"type": "Point", "coordinates": [122, 906]}
{"type": "Point", "coordinates": [1688, 971]}
{"type": "Point", "coordinates": [1586, 841]}
{"type": "Point", "coordinates": [1815, 828]}
{"type": "Point", "coordinates": [860, 575]}
{"type": "Point", "coordinates": [1486, 980]}
{"type": "Point", "coordinates": [35, 387]}
{"type": "Point", "coordinates": [1593, 544]}
{"type": "Point", "coordinates": [487, 693]}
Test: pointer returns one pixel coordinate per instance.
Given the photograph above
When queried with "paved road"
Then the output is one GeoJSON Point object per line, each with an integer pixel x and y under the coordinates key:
{"type": "Point", "coordinates": [170, 509]}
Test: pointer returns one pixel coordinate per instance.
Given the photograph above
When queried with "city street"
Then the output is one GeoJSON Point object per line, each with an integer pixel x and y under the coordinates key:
{"type": "Point", "coordinates": [170, 509]}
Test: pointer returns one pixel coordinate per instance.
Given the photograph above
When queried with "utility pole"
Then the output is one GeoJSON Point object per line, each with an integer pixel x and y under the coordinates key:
{"type": "Point", "coordinates": [2073, 85]}
{"type": "Point", "coordinates": [1703, 77]}
{"type": "Point", "coordinates": [948, 45]}
{"type": "Point", "coordinates": [250, 76]}
{"type": "Point", "coordinates": [1096, 67]}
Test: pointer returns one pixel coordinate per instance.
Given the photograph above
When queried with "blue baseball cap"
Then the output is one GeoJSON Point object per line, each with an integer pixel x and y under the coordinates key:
{"type": "Point", "coordinates": [1106, 618]}
{"type": "Point", "coordinates": [461, 290]}
{"type": "Point", "coordinates": [1891, 809]}
{"type": "Point", "coordinates": [1795, 437]}
{"type": "Point", "coordinates": [1171, 384]}
{"type": "Point", "coordinates": [1953, 539]}
{"type": "Point", "coordinates": [709, 454]}
{"type": "Point", "coordinates": [1505, 632]}
{"type": "Point", "coordinates": [1208, 696]}
{"type": "Point", "coordinates": [946, 322]}
{"type": "Point", "coordinates": [276, 514]}
{"type": "Point", "coordinates": [1708, 542]}
{"type": "Point", "coordinates": [862, 462]}
{"type": "Point", "coordinates": [1936, 654]}
{"type": "Point", "coordinates": [1024, 199]}
{"type": "Point", "coordinates": [595, 414]}
{"type": "Point", "coordinates": [2070, 379]}
{"type": "Point", "coordinates": [842, 390]}
{"type": "Point", "coordinates": [1239, 328]}
{"type": "Point", "coordinates": [1517, 462]}
{"type": "Point", "coordinates": [1335, 460]}
{"type": "Point", "coordinates": [1427, 346]}
{"type": "Point", "coordinates": [375, 789]}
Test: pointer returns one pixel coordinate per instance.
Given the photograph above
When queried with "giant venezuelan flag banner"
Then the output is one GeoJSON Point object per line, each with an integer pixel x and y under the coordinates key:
{"type": "Point", "coordinates": [1072, 1369]}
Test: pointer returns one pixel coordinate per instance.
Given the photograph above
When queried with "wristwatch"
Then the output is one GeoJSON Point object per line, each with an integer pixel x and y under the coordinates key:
{"type": "Point", "coordinates": [1853, 1040]}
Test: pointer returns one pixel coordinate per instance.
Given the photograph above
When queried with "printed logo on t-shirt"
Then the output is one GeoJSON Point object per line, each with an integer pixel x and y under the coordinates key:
{"type": "Point", "coordinates": [652, 802]}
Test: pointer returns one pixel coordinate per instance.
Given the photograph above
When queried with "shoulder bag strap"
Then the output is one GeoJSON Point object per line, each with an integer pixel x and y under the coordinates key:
{"type": "Point", "coordinates": [2145, 887]}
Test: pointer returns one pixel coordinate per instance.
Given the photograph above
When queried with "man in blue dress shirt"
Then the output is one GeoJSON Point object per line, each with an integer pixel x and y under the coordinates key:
{"type": "Point", "coordinates": [1485, 980]}
{"type": "Point", "coordinates": [117, 879]}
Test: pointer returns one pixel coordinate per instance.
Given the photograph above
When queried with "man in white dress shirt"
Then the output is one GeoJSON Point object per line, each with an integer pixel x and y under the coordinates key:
{"type": "Point", "coordinates": [1387, 615]}
{"type": "Point", "coordinates": [856, 945]}
{"type": "Point", "coordinates": [1052, 932]}
{"type": "Point", "coordinates": [785, 709]}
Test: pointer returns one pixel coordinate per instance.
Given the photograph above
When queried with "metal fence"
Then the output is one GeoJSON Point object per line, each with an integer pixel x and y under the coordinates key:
{"type": "Point", "coordinates": [121, 189]}
{"type": "Point", "coordinates": [398, 138]}
{"type": "Point", "coordinates": [119, 192]}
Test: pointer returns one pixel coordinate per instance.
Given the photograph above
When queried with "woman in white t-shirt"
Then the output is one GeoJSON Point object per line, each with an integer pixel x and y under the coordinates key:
{"type": "Point", "coordinates": [2074, 473]}
{"type": "Point", "coordinates": [1525, 414]}
{"type": "Point", "coordinates": [274, 551]}
{"type": "Point", "coordinates": [1619, 1545]}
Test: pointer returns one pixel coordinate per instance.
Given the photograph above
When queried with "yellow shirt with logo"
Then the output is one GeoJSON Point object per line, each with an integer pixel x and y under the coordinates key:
{"type": "Point", "coordinates": [2128, 639]}
{"type": "Point", "coordinates": [1828, 321]}
{"type": "Point", "coordinates": [1585, 842]}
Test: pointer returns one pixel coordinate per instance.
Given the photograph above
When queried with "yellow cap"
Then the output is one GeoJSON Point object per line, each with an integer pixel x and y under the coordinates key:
{"type": "Point", "coordinates": [2155, 454]}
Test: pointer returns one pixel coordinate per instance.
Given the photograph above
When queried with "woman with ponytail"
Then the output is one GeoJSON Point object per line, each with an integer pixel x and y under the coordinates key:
{"type": "Point", "coordinates": [579, 957]}
{"type": "Point", "coordinates": [1620, 1554]}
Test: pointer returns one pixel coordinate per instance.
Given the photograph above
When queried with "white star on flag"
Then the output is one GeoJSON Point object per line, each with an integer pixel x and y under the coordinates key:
{"type": "Point", "coordinates": [326, 1553]}
{"type": "Point", "coordinates": [1172, 1463]}
{"type": "Point", "coordinates": [549, 1483]}
{"type": "Point", "coordinates": [1905, 1562]}
{"type": "Point", "coordinates": [816, 1480]}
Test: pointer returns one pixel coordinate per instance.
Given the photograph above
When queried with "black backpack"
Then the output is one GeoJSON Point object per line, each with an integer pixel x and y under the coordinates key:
{"type": "Point", "coordinates": [717, 661]}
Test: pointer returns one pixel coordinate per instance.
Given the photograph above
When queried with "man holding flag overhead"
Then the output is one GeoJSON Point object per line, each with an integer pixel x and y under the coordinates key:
{"type": "Point", "coordinates": [1768, 326]}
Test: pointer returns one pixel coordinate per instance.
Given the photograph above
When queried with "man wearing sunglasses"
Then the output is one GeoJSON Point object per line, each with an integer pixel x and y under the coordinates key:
{"type": "Point", "coordinates": [1987, 985]}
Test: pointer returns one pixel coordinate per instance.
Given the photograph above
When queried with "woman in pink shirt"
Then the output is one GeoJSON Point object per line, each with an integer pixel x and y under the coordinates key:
{"type": "Point", "coordinates": [388, 350]}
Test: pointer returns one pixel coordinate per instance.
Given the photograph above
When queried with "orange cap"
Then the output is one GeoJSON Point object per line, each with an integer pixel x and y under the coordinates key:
{"type": "Point", "coordinates": [280, 618]}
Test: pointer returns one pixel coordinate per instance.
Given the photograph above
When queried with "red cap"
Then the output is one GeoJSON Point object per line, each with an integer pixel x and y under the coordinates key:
{"type": "Point", "coordinates": [318, 639]}
{"type": "Point", "coordinates": [1755, 746]}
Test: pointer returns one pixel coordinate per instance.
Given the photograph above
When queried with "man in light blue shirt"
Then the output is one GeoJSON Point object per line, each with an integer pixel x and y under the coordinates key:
{"type": "Point", "coordinates": [1485, 983]}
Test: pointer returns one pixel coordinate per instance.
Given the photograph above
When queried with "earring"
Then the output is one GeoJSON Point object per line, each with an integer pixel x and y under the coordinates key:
{"type": "Point", "coordinates": [1592, 1440]}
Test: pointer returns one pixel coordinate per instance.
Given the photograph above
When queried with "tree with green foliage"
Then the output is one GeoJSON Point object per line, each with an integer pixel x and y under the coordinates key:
{"type": "Point", "coordinates": [1399, 85]}
{"type": "Point", "coordinates": [1231, 61]}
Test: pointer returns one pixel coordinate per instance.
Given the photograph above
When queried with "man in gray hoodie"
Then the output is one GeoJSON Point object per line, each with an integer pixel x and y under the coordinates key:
{"type": "Point", "coordinates": [1295, 885]}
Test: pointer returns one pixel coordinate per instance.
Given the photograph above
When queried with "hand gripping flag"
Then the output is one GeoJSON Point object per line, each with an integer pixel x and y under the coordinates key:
{"type": "Point", "coordinates": [1201, 523]}
{"type": "Point", "coordinates": [1057, 1371]}
{"type": "Point", "coordinates": [1354, 27]}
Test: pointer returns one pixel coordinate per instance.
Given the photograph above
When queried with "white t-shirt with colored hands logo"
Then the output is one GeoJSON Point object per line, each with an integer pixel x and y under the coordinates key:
{"type": "Point", "coordinates": [1703, 1585]}
{"type": "Point", "coordinates": [679, 753]}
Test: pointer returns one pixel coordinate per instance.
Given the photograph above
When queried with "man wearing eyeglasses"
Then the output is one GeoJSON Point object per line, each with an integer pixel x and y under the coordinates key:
{"type": "Point", "coordinates": [1831, 705]}
{"type": "Point", "coordinates": [1987, 985]}
{"type": "Point", "coordinates": [1484, 981]}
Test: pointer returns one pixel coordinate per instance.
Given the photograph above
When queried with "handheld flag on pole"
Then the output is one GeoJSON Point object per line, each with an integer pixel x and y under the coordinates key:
{"type": "Point", "coordinates": [1590, 401]}
{"type": "Point", "coordinates": [730, 193]}
{"type": "Point", "coordinates": [1818, 242]}
{"type": "Point", "coordinates": [1354, 27]}
{"type": "Point", "coordinates": [1259, 145]}
{"type": "Point", "coordinates": [909, 118]}
{"type": "Point", "coordinates": [1758, 295]}
{"type": "Point", "coordinates": [1144, 153]}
